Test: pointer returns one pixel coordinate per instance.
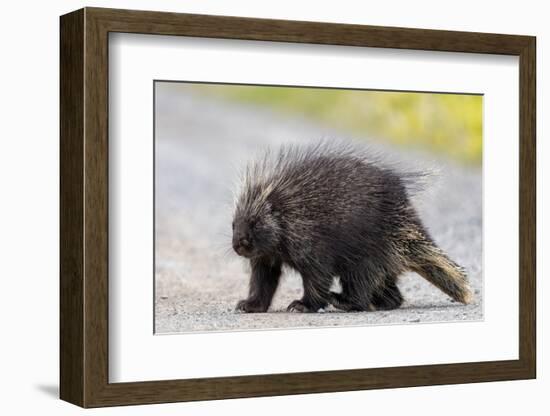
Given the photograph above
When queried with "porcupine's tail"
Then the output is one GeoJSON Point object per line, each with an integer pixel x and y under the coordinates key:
{"type": "Point", "coordinates": [429, 261]}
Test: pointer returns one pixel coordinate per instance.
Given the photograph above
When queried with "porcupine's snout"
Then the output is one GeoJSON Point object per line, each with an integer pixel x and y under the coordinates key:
{"type": "Point", "coordinates": [242, 241]}
{"type": "Point", "coordinates": [242, 246]}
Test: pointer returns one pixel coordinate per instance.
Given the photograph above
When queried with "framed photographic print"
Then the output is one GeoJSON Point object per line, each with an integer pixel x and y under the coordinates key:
{"type": "Point", "coordinates": [255, 207]}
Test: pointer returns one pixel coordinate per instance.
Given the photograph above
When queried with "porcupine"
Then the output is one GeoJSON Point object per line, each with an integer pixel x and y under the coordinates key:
{"type": "Point", "coordinates": [330, 211]}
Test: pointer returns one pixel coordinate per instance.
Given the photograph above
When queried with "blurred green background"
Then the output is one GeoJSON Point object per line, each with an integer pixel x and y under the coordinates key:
{"type": "Point", "coordinates": [449, 124]}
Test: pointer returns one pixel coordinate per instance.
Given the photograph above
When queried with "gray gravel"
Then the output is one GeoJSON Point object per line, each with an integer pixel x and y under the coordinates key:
{"type": "Point", "coordinates": [200, 145]}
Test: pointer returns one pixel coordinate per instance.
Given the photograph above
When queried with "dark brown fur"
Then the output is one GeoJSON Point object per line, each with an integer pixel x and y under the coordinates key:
{"type": "Point", "coordinates": [328, 211]}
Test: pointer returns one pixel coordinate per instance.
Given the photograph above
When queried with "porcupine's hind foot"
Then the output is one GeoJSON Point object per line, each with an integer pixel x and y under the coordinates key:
{"type": "Point", "coordinates": [316, 294]}
{"type": "Point", "coordinates": [354, 296]}
{"type": "Point", "coordinates": [250, 306]}
{"type": "Point", "coordinates": [340, 301]}
{"type": "Point", "coordinates": [299, 305]}
{"type": "Point", "coordinates": [387, 298]}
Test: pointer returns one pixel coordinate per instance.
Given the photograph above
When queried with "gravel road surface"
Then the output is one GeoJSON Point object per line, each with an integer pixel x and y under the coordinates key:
{"type": "Point", "coordinates": [201, 143]}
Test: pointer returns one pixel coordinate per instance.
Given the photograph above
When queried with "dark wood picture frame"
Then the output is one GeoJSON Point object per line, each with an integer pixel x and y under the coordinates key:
{"type": "Point", "coordinates": [84, 207]}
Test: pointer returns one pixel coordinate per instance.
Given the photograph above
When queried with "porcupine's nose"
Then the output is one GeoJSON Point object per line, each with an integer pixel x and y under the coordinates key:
{"type": "Point", "coordinates": [241, 245]}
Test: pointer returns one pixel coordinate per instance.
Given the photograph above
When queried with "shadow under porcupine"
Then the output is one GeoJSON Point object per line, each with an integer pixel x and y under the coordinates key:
{"type": "Point", "coordinates": [327, 211]}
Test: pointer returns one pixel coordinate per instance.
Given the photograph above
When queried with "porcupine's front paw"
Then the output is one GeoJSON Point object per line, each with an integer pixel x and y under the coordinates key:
{"type": "Point", "coordinates": [249, 306]}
